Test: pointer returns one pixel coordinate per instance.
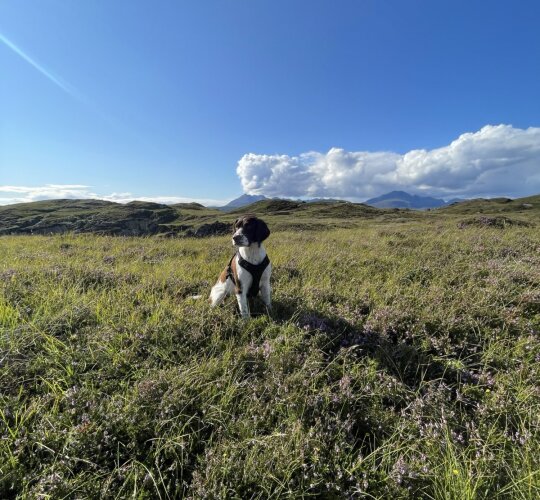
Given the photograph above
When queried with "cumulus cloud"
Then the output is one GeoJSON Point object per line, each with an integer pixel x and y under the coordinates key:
{"type": "Point", "coordinates": [25, 194]}
{"type": "Point", "coordinates": [495, 161]}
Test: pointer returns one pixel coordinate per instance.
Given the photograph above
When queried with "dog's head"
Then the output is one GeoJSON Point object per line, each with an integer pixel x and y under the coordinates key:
{"type": "Point", "coordinates": [248, 230]}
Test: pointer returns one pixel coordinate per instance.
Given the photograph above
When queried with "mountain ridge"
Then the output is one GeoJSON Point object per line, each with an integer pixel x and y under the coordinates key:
{"type": "Point", "coordinates": [392, 199]}
{"type": "Point", "coordinates": [402, 199]}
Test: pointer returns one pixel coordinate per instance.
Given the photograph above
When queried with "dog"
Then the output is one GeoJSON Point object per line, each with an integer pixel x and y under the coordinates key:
{"type": "Point", "coordinates": [249, 270]}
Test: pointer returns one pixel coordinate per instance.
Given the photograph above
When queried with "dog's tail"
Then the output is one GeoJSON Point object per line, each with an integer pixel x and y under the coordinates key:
{"type": "Point", "coordinates": [195, 297]}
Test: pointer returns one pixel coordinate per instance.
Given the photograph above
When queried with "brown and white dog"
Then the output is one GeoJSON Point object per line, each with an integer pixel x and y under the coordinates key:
{"type": "Point", "coordinates": [248, 272]}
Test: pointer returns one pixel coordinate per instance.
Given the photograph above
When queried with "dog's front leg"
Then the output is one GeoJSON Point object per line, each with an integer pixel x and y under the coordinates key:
{"type": "Point", "coordinates": [266, 293]}
{"type": "Point", "coordinates": [266, 289]}
{"type": "Point", "coordinates": [243, 304]}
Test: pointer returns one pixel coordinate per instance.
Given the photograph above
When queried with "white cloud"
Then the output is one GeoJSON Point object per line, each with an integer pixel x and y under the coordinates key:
{"type": "Point", "coordinates": [25, 194]}
{"type": "Point", "coordinates": [496, 160]}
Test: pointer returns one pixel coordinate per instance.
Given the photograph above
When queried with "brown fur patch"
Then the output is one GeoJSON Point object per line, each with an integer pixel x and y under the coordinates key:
{"type": "Point", "coordinates": [223, 276]}
{"type": "Point", "coordinates": [235, 274]}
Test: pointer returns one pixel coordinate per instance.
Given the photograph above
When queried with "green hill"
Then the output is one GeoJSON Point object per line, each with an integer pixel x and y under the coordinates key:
{"type": "Point", "coordinates": [268, 207]}
{"type": "Point", "coordinates": [494, 205]}
{"type": "Point", "coordinates": [85, 216]}
{"type": "Point", "coordinates": [304, 208]}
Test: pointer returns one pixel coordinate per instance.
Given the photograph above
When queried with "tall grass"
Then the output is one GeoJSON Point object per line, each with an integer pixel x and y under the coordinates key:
{"type": "Point", "coordinates": [400, 360]}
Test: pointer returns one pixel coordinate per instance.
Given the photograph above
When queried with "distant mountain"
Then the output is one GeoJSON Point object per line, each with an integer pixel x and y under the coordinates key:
{"type": "Point", "coordinates": [242, 201]}
{"type": "Point", "coordinates": [456, 200]}
{"type": "Point", "coordinates": [401, 199]}
{"type": "Point", "coordinates": [325, 200]}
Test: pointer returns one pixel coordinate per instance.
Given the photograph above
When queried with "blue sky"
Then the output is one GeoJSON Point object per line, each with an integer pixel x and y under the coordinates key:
{"type": "Point", "coordinates": [207, 99]}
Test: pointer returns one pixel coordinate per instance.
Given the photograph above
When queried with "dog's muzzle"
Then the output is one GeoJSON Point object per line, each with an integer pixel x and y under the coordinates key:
{"type": "Point", "coordinates": [240, 240]}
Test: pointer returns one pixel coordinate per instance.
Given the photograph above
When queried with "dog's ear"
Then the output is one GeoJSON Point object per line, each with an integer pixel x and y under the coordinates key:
{"type": "Point", "coordinates": [262, 231]}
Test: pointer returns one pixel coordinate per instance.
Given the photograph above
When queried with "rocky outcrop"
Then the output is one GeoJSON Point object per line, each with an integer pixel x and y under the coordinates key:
{"type": "Point", "coordinates": [212, 229]}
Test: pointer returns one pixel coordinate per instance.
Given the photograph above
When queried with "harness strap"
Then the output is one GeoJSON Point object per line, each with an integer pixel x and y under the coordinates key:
{"type": "Point", "coordinates": [230, 273]}
{"type": "Point", "coordinates": [256, 271]}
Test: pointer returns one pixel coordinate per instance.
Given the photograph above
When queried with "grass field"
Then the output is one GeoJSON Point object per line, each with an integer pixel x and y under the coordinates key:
{"type": "Point", "coordinates": [402, 360]}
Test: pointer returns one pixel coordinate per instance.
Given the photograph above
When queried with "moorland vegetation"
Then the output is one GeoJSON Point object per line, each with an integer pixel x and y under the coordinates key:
{"type": "Point", "coordinates": [401, 360]}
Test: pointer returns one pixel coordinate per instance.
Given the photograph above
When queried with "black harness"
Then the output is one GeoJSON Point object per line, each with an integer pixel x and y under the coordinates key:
{"type": "Point", "coordinates": [256, 271]}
